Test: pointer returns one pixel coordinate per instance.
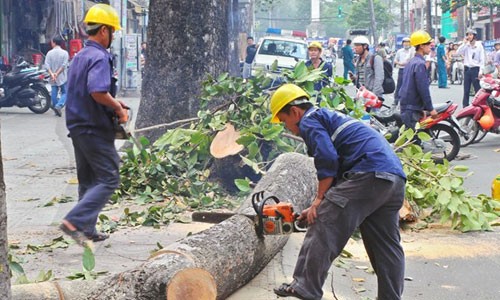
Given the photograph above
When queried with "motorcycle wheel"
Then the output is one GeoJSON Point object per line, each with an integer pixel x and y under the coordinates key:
{"type": "Point", "coordinates": [471, 128]}
{"type": "Point", "coordinates": [482, 133]}
{"type": "Point", "coordinates": [460, 77]}
{"type": "Point", "coordinates": [447, 134]}
{"type": "Point", "coordinates": [44, 99]}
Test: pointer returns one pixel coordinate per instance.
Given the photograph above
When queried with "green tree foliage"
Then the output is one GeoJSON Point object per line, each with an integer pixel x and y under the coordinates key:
{"type": "Point", "coordinates": [359, 16]}
{"type": "Point", "coordinates": [452, 5]}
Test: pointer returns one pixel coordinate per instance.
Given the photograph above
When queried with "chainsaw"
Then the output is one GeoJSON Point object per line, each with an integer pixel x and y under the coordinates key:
{"type": "Point", "coordinates": [123, 131]}
{"type": "Point", "coordinates": [270, 219]}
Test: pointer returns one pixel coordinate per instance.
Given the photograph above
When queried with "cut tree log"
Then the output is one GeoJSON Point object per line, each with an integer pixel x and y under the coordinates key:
{"type": "Point", "coordinates": [211, 264]}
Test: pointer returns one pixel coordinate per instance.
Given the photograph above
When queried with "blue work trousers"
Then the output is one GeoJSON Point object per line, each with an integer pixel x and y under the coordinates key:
{"type": "Point", "coordinates": [470, 78]}
{"type": "Point", "coordinates": [371, 201]}
{"type": "Point", "coordinates": [58, 103]}
{"type": "Point", "coordinates": [348, 66]}
{"type": "Point", "coordinates": [442, 74]}
{"type": "Point", "coordinates": [97, 166]}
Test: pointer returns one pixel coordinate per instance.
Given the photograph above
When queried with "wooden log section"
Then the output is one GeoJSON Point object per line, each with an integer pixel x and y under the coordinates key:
{"type": "Point", "coordinates": [216, 262]}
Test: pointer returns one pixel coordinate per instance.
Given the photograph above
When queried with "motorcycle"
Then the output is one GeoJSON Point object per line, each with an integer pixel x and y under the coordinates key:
{"type": "Point", "coordinates": [444, 142]}
{"type": "Point", "coordinates": [23, 86]}
{"type": "Point", "coordinates": [483, 114]}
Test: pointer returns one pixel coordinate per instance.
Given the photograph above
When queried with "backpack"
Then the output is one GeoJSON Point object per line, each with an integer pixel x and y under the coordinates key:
{"type": "Point", "coordinates": [388, 84]}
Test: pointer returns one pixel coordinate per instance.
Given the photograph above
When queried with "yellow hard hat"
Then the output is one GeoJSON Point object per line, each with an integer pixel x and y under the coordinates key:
{"type": "Point", "coordinates": [103, 14]}
{"type": "Point", "coordinates": [284, 95]}
{"type": "Point", "coordinates": [420, 37]}
{"type": "Point", "coordinates": [315, 45]}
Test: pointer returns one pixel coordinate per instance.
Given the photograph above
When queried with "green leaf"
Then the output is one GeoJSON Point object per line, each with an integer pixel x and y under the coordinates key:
{"type": "Point", "coordinates": [88, 259]}
{"type": "Point", "coordinates": [444, 197]}
{"type": "Point", "coordinates": [243, 184]}
{"type": "Point", "coordinates": [461, 168]}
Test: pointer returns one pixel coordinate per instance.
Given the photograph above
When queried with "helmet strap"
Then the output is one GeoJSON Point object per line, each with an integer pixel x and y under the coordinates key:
{"type": "Point", "coordinates": [110, 35]}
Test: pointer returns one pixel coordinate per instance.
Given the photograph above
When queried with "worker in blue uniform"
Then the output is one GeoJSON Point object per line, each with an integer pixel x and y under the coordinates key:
{"type": "Point", "coordinates": [316, 62]}
{"type": "Point", "coordinates": [90, 112]}
{"type": "Point", "coordinates": [361, 183]}
{"type": "Point", "coordinates": [414, 94]}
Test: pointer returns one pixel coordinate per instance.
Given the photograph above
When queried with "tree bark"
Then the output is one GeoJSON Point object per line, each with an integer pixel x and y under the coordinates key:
{"type": "Point", "coordinates": [211, 264]}
{"type": "Point", "coordinates": [187, 40]}
{"type": "Point", "coordinates": [5, 292]}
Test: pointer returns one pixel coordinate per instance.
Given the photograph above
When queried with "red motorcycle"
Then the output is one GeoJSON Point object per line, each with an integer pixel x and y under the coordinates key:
{"type": "Point", "coordinates": [483, 115]}
{"type": "Point", "coordinates": [444, 142]}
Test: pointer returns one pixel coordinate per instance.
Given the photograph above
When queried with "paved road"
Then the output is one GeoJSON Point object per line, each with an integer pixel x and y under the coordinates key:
{"type": "Point", "coordinates": [39, 165]}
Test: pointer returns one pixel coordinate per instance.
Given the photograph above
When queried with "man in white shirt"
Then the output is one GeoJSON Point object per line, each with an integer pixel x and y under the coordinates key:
{"type": "Point", "coordinates": [402, 57]}
{"type": "Point", "coordinates": [56, 63]}
{"type": "Point", "coordinates": [474, 59]}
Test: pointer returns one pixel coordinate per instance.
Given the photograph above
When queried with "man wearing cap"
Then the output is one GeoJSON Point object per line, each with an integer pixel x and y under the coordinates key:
{"type": "Point", "coordinates": [474, 60]}
{"type": "Point", "coordinates": [316, 62]}
{"type": "Point", "coordinates": [402, 58]}
{"type": "Point", "coordinates": [91, 111]}
{"type": "Point", "coordinates": [361, 183]}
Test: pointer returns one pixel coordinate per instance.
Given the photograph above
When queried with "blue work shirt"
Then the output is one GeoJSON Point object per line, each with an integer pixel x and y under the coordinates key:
{"type": "Point", "coordinates": [347, 55]}
{"type": "Point", "coordinates": [357, 148]}
{"type": "Point", "coordinates": [328, 72]}
{"type": "Point", "coordinates": [414, 93]}
{"type": "Point", "coordinates": [90, 72]}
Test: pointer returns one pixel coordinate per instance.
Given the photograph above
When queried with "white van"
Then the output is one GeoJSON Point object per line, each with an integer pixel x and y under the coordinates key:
{"type": "Point", "coordinates": [286, 50]}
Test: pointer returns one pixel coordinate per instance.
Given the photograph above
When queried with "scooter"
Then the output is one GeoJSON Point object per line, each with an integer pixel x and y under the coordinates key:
{"type": "Point", "coordinates": [457, 70]}
{"type": "Point", "coordinates": [24, 87]}
{"type": "Point", "coordinates": [483, 114]}
{"type": "Point", "coordinates": [444, 142]}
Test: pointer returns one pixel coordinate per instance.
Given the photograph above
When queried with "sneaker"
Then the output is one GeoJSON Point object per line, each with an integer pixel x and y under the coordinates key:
{"type": "Point", "coordinates": [57, 111]}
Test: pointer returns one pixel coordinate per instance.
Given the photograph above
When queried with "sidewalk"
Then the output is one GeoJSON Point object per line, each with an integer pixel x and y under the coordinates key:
{"type": "Point", "coordinates": [39, 165]}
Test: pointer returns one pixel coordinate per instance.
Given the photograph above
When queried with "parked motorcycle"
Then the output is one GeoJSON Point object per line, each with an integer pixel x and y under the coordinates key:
{"type": "Point", "coordinates": [23, 86]}
{"type": "Point", "coordinates": [483, 115]}
{"type": "Point", "coordinates": [444, 142]}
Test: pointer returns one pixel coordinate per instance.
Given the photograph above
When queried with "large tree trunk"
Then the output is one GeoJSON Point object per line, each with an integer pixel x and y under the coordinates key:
{"type": "Point", "coordinates": [187, 40]}
{"type": "Point", "coordinates": [211, 264]}
{"type": "Point", "coordinates": [4, 264]}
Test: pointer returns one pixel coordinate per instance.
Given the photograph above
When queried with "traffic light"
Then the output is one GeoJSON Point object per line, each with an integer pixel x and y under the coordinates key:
{"type": "Point", "coordinates": [340, 12]}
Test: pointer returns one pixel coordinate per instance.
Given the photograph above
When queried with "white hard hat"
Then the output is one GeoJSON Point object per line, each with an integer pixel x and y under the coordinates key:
{"type": "Point", "coordinates": [361, 40]}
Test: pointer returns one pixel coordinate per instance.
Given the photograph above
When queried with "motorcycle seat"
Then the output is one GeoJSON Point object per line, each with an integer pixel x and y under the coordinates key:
{"type": "Point", "coordinates": [13, 76]}
{"type": "Point", "coordinates": [442, 107]}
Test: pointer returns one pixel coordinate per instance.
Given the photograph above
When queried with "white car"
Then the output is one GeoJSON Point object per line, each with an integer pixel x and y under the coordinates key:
{"type": "Point", "coordinates": [286, 50]}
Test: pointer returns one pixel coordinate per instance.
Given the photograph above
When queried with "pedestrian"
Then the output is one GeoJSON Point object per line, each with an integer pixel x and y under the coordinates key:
{"type": "Point", "coordinates": [56, 63]}
{"type": "Point", "coordinates": [144, 47]}
{"type": "Point", "coordinates": [414, 94]}
{"type": "Point", "coordinates": [441, 64]}
{"type": "Point", "coordinates": [401, 59]}
{"type": "Point", "coordinates": [496, 60]}
{"type": "Point", "coordinates": [250, 55]}
{"type": "Point", "coordinates": [369, 67]}
{"type": "Point", "coordinates": [316, 62]}
{"type": "Point", "coordinates": [90, 110]}
{"type": "Point", "coordinates": [354, 190]}
{"type": "Point", "coordinates": [474, 60]}
{"type": "Point", "coordinates": [348, 58]}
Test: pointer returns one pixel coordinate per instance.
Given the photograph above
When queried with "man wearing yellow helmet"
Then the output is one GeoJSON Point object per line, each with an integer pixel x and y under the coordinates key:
{"type": "Point", "coordinates": [316, 62]}
{"type": "Point", "coordinates": [361, 183]}
{"type": "Point", "coordinates": [90, 112]}
{"type": "Point", "coordinates": [414, 94]}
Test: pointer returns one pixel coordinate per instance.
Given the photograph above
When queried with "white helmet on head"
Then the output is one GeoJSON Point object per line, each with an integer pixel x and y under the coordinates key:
{"type": "Point", "coordinates": [361, 40]}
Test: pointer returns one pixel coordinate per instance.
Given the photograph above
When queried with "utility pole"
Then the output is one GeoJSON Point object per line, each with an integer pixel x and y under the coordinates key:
{"type": "Point", "coordinates": [428, 17]}
{"type": "Point", "coordinates": [402, 13]}
{"type": "Point", "coordinates": [373, 23]}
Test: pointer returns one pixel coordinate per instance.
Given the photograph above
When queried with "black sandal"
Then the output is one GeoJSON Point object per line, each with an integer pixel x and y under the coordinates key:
{"type": "Point", "coordinates": [78, 236]}
{"type": "Point", "coordinates": [98, 236]}
{"type": "Point", "coordinates": [286, 290]}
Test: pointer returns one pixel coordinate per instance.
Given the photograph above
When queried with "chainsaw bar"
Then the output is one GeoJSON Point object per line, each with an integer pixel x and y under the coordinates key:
{"type": "Point", "coordinates": [215, 217]}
